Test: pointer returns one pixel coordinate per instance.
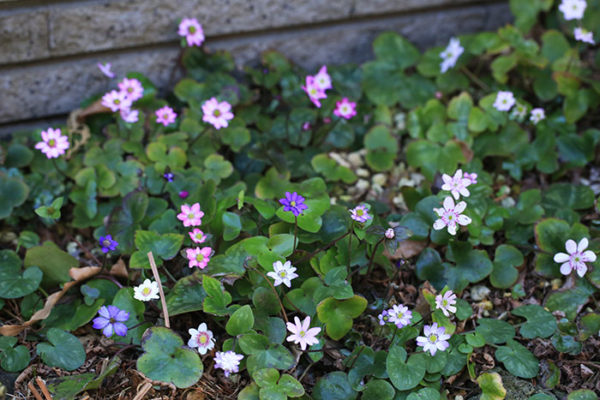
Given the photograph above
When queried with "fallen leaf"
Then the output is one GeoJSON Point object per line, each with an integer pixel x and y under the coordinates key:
{"type": "Point", "coordinates": [119, 269]}
{"type": "Point", "coordinates": [407, 249]}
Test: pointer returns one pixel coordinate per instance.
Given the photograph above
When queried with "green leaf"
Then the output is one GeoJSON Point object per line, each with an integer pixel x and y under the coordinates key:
{"type": "Point", "coordinates": [425, 394]}
{"type": "Point", "coordinates": [334, 386]}
{"type": "Point", "coordinates": [13, 193]}
{"type": "Point", "coordinates": [337, 315]}
{"type": "Point", "coordinates": [495, 331]}
{"type": "Point", "coordinates": [378, 389]}
{"type": "Point", "coordinates": [125, 301]}
{"type": "Point", "coordinates": [54, 263]}
{"type": "Point", "coordinates": [381, 147]}
{"type": "Point", "coordinates": [396, 50]}
{"type": "Point", "coordinates": [13, 359]}
{"type": "Point", "coordinates": [166, 358]}
{"type": "Point", "coordinates": [163, 247]}
{"type": "Point", "coordinates": [217, 168]}
{"type": "Point", "coordinates": [540, 323]}
{"type": "Point", "coordinates": [217, 298]}
{"type": "Point", "coordinates": [52, 211]}
{"type": "Point", "coordinates": [63, 350]}
{"type": "Point", "coordinates": [582, 394]}
{"type": "Point", "coordinates": [518, 360]}
{"type": "Point", "coordinates": [331, 170]}
{"type": "Point", "coordinates": [241, 321]}
{"type": "Point", "coordinates": [504, 274]}
{"type": "Point", "coordinates": [404, 374]}
{"type": "Point", "coordinates": [471, 266]}
{"type": "Point", "coordinates": [13, 283]}
{"type": "Point", "coordinates": [491, 386]}
{"type": "Point", "coordinates": [186, 296]}
{"type": "Point", "coordinates": [232, 225]}
{"type": "Point", "coordinates": [125, 219]}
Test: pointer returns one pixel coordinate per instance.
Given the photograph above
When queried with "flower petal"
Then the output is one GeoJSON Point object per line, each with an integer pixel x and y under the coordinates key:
{"type": "Point", "coordinates": [448, 203]}
{"type": "Point", "coordinates": [561, 257]}
{"type": "Point", "coordinates": [589, 256]}
{"type": "Point", "coordinates": [566, 268]}
{"type": "Point", "coordinates": [583, 244]}
{"type": "Point", "coordinates": [571, 246]}
{"type": "Point", "coordinates": [438, 224]}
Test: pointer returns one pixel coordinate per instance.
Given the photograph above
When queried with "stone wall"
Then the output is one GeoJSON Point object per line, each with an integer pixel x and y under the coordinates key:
{"type": "Point", "coordinates": [49, 48]}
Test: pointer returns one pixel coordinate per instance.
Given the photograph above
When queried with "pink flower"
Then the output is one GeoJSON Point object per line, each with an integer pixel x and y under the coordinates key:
{"type": "Point", "coordinates": [105, 69]}
{"type": "Point", "coordinates": [504, 101]}
{"type": "Point", "coordinates": [116, 101]}
{"type": "Point", "coordinates": [53, 143]}
{"type": "Point", "coordinates": [576, 258]}
{"type": "Point", "coordinates": [322, 79]}
{"type": "Point", "coordinates": [446, 303]}
{"type": "Point", "coordinates": [389, 233]}
{"type": "Point", "coordinates": [130, 116]}
{"type": "Point", "coordinates": [198, 257]}
{"type": "Point", "coordinates": [472, 177]}
{"type": "Point", "coordinates": [132, 88]}
{"type": "Point", "coordinates": [202, 338]}
{"type": "Point", "coordinates": [197, 236]}
{"type": "Point", "coordinates": [345, 108]}
{"type": "Point", "coordinates": [450, 216]}
{"type": "Point", "coordinates": [184, 194]}
{"type": "Point", "coordinates": [301, 334]}
{"type": "Point", "coordinates": [165, 116]}
{"type": "Point", "coordinates": [435, 339]}
{"type": "Point", "coordinates": [360, 213]}
{"type": "Point", "coordinates": [315, 93]}
{"type": "Point", "coordinates": [457, 185]}
{"type": "Point", "coordinates": [217, 114]}
{"type": "Point", "coordinates": [191, 216]}
{"type": "Point", "coordinates": [306, 126]}
{"type": "Point", "coordinates": [399, 315]}
{"type": "Point", "coordinates": [191, 29]}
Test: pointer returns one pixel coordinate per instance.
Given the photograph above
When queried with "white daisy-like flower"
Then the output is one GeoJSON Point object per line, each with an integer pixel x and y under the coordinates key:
{"type": "Point", "coordinates": [146, 291]}
{"type": "Point", "coordinates": [457, 184]}
{"type": "Point", "coordinates": [201, 338]}
{"type": "Point", "coordinates": [446, 303]}
{"type": "Point", "coordinates": [399, 315]}
{"type": "Point", "coordinates": [576, 258]}
{"type": "Point", "coordinates": [435, 339]}
{"type": "Point", "coordinates": [451, 216]}
{"type": "Point", "coordinates": [283, 273]}
{"type": "Point", "coordinates": [504, 101]}
{"type": "Point", "coordinates": [572, 9]}
{"type": "Point", "coordinates": [583, 35]}
{"type": "Point", "coordinates": [537, 114]}
{"type": "Point", "coordinates": [451, 54]}
{"type": "Point", "coordinates": [228, 361]}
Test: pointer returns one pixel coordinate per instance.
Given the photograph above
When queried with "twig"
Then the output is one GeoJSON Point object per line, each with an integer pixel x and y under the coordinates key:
{"type": "Point", "coordinates": [43, 387]}
{"type": "Point", "coordinates": [475, 79]}
{"type": "Point", "coordinates": [34, 391]}
{"type": "Point", "coordinates": [160, 288]}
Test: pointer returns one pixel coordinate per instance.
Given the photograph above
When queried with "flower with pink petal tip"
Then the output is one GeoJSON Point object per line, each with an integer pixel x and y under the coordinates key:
{"type": "Point", "coordinates": [472, 177]}
{"type": "Point", "coordinates": [345, 108]}
{"type": "Point", "coordinates": [314, 92]}
{"type": "Point", "coordinates": [197, 236]}
{"type": "Point", "coordinates": [130, 116]}
{"type": "Point", "coordinates": [435, 339]}
{"type": "Point", "coordinates": [360, 213]}
{"type": "Point", "coordinates": [106, 70]}
{"type": "Point", "coordinates": [191, 29]}
{"type": "Point", "coordinates": [576, 258]}
{"type": "Point", "coordinates": [583, 35]}
{"type": "Point", "coordinates": [216, 113]}
{"type": "Point", "coordinates": [201, 338]}
{"type": "Point", "coordinates": [165, 116]}
{"type": "Point", "coordinates": [302, 333]}
{"type": "Point", "coordinates": [450, 216]}
{"type": "Point", "coordinates": [446, 303]}
{"type": "Point", "coordinates": [116, 101]}
{"type": "Point", "coordinates": [191, 215]}
{"type": "Point", "coordinates": [457, 184]}
{"type": "Point", "coordinates": [198, 257]}
{"type": "Point", "coordinates": [400, 315]}
{"type": "Point", "coordinates": [132, 88]}
{"type": "Point", "coordinates": [322, 79]}
{"type": "Point", "coordinates": [228, 361]}
{"type": "Point", "coordinates": [53, 143]}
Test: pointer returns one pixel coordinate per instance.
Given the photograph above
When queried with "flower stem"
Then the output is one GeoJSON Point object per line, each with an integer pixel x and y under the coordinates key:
{"type": "Point", "coordinates": [350, 247]}
{"type": "Point", "coordinates": [295, 232]}
{"type": "Point", "coordinates": [59, 170]}
{"type": "Point", "coordinates": [474, 78]}
{"type": "Point", "coordinates": [309, 256]}
{"type": "Point", "coordinates": [373, 255]}
{"type": "Point", "coordinates": [283, 314]}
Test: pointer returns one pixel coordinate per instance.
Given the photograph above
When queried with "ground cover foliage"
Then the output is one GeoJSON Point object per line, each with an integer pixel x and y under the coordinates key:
{"type": "Point", "coordinates": [421, 227]}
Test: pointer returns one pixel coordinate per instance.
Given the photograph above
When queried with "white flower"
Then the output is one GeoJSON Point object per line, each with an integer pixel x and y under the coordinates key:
{"type": "Point", "coordinates": [450, 54]}
{"type": "Point", "coordinates": [519, 112]}
{"type": "Point", "coordinates": [572, 9]}
{"type": "Point", "coordinates": [389, 233]}
{"type": "Point", "coordinates": [457, 185]}
{"type": "Point", "coordinates": [504, 101]}
{"type": "Point", "coordinates": [435, 339]}
{"type": "Point", "coordinates": [446, 303]}
{"type": "Point", "coordinates": [283, 273]}
{"type": "Point", "coordinates": [228, 361]}
{"type": "Point", "coordinates": [584, 35]}
{"type": "Point", "coordinates": [399, 315]}
{"type": "Point", "coordinates": [576, 258]}
{"type": "Point", "coordinates": [451, 216]}
{"type": "Point", "coordinates": [146, 291]}
{"type": "Point", "coordinates": [202, 338]}
{"type": "Point", "coordinates": [537, 114]}
{"type": "Point", "coordinates": [322, 79]}
{"type": "Point", "coordinates": [302, 333]}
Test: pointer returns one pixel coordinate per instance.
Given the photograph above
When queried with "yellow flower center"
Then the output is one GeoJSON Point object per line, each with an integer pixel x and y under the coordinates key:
{"type": "Point", "coordinates": [51, 142]}
{"type": "Point", "coordinates": [217, 113]}
{"type": "Point", "coordinates": [301, 333]}
{"type": "Point", "coordinates": [282, 274]}
{"type": "Point", "coordinates": [445, 302]}
{"type": "Point", "coordinates": [192, 29]}
{"type": "Point", "coordinates": [191, 216]}
{"type": "Point", "coordinates": [200, 257]}
{"type": "Point", "coordinates": [293, 203]}
{"type": "Point", "coordinates": [146, 291]}
{"type": "Point", "coordinates": [359, 212]}
{"type": "Point", "coordinates": [433, 338]}
{"type": "Point", "coordinates": [199, 236]}
{"type": "Point", "coordinates": [202, 339]}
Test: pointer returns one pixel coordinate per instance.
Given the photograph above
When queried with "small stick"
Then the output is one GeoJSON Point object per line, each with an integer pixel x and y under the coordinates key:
{"type": "Point", "coordinates": [34, 391]}
{"type": "Point", "coordinates": [43, 387]}
{"type": "Point", "coordinates": [160, 289]}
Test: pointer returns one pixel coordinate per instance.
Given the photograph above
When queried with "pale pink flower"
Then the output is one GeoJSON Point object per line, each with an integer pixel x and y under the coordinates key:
{"type": "Point", "coordinates": [283, 273]}
{"type": "Point", "coordinates": [451, 216]}
{"type": "Point", "coordinates": [191, 29]}
{"type": "Point", "coordinates": [53, 143]}
{"type": "Point", "coordinates": [315, 93]}
{"type": "Point", "coordinates": [399, 315]}
{"type": "Point", "coordinates": [504, 101]}
{"type": "Point", "coordinates": [302, 333]}
{"type": "Point", "coordinates": [202, 338]}
{"type": "Point", "coordinates": [435, 339]}
{"type": "Point", "coordinates": [130, 116]}
{"type": "Point", "coordinates": [389, 233]}
{"type": "Point", "coordinates": [116, 101]}
{"type": "Point", "coordinates": [198, 257]}
{"type": "Point", "coordinates": [472, 177]}
{"type": "Point", "coordinates": [322, 79]}
{"type": "Point", "coordinates": [576, 258]}
{"type": "Point", "coordinates": [191, 215]}
{"type": "Point", "coordinates": [537, 114]}
{"type": "Point", "coordinates": [228, 361]}
{"type": "Point", "coordinates": [360, 213]}
{"type": "Point", "coordinates": [106, 70]}
{"type": "Point", "coordinates": [197, 235]}
{"type": "Point", "coordinates": [165, 116]}
{"type": "Point", "coordinates": [446, 303]}
{"type": "Point", "coordinates": [216, 113]}
{"type": "Point", "coordinates": [457, 185]}
{"type": "Point", "coordinates": [572, 9]}
{"type": "Point", "coordinates": [583, 35]}
{"type": "Point", "coordinates": [345, 108]}
{"type": "Point", "coordinates": [132, 88]}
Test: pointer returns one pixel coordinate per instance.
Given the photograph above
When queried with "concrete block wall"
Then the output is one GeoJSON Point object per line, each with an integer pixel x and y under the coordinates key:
{"type": "Point", "coordinates": [49, 48]}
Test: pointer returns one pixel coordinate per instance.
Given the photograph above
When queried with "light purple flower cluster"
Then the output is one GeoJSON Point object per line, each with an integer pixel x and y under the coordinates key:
{"type": "Point", "coordinates": [130, 90]}
{"type": "Point", "coordinates": [399, 315]}
{"type": "Point", "coordinates": [293, 202]}
{"type": "Point", "coordinates": [316, 86]}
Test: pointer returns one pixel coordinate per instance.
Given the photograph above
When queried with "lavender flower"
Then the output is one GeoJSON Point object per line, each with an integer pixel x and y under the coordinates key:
{"type": "Point", "coordinates": [293, 202]}
{"type": "Point", "coordinates": [169, 176]}
{"type": "Point", "coordinates": [111, 320]}
{"type": "Point", "coordinates": [108, 244]}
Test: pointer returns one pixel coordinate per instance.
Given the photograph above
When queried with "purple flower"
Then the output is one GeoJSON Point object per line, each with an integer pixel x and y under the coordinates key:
{"type": "Point", "coordinates": [228, 361]}
{"type": "Point", "coordinates": [107, 243]}
{"type": "Point", "coordinates": [293, 202]}
{"type": "Point", "coordinates": [183, 194]}
{"type": "Point", "coordinates": [360, 213]}
{"type": "Point", "coordinates": [383, 317]}
{"type": "Point", "coordinates": [169, 176]}
{"type": "Point", "coordinates": [111, 321]}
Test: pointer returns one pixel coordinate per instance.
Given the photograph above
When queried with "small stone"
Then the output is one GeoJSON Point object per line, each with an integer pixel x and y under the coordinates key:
{"type": "Point", "coordinates": [479, 292]}
{"type": "Point", "coordinates": [356, 160]}
{"type": "Point", "coordinates": [379, 179]}
{"type": "Point", "coordinates": [556, 283]}
{"type": "Point", "coordinates": [362, 184]}
{"type": "Point", "coordinates": [338, 159]}
{"type": "Point", "coordinates": [363, 173]}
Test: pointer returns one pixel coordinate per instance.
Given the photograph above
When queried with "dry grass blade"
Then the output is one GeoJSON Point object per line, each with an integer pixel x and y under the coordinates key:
{"type": "Point", "coordinates": [160, 289]}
